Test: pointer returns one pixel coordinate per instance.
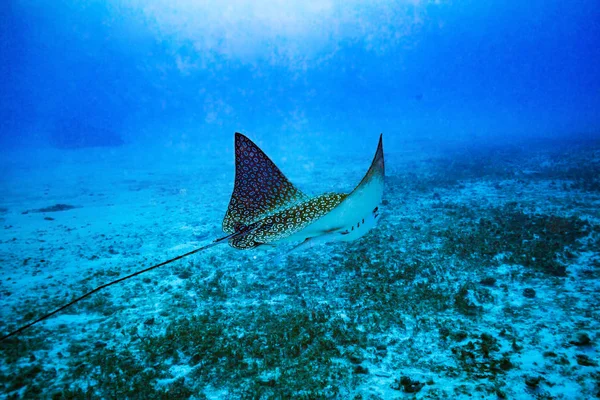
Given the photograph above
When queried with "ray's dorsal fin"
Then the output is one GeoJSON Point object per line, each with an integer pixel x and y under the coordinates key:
{"type": "Point", "coordinates": [260, 187]}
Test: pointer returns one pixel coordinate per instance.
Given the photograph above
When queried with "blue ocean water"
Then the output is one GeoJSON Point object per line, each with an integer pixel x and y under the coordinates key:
{"type": "Point", "coordinates": [117, 152]}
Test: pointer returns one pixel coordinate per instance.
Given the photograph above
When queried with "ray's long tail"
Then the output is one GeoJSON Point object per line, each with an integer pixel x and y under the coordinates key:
{"type": "Point", "coordinates": [46, 316]}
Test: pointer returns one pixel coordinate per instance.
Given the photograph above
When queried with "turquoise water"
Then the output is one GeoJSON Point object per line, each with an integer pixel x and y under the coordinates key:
{"type": "Point", "coordinates": [479, 280]}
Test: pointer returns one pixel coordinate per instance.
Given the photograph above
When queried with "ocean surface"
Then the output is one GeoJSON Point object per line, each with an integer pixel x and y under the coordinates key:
{"type": "Point", "coordinates": [481, 279]}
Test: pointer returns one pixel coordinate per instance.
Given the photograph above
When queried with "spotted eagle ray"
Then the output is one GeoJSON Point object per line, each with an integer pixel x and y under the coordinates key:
{"type": "Point", "coordinates": [267, 209]}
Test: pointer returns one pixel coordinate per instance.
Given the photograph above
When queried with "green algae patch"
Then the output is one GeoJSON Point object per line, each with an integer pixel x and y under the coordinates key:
{"type": "Point", "coordinates": [512, 236]}
{"type": "Point", "coordinates": [294, 352]}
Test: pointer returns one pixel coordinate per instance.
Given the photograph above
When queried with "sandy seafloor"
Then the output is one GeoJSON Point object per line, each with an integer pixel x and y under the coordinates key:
{"type": "Point", "coordinates": [481, 281]}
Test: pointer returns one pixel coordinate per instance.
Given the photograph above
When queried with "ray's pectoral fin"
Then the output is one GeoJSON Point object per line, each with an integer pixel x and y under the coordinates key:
{"type": "Point", "coordinates": [354, 216]}
{"type": "Point", "coordinates": [260, 188]}
{"type": "Point", "coordinates": [358, 212]}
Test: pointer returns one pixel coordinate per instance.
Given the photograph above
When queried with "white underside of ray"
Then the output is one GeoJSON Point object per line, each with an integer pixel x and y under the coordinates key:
{"type": "Point", "coordinates": [355, 215]}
